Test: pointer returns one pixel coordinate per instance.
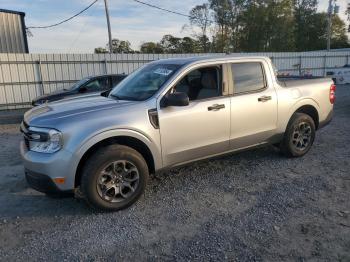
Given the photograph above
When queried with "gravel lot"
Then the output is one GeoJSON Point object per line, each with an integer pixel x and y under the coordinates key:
{"type": "Point", "coordinates": [251, 206]}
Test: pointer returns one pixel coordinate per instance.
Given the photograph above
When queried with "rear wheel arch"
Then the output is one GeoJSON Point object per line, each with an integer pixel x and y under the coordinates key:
{"type": "Point", "coordinates": [299, 135]}
{"type": "Point", "coordinates": [129, 141]}
{"type": "Point", "coordinates": [309, 110]}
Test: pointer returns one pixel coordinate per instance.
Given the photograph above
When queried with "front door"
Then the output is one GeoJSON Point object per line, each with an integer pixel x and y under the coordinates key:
{"type": "Point", "coordinates": [202, 128]}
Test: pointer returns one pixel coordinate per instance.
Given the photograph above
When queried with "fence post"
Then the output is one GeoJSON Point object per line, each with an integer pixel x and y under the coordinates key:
{"type": "Point", "coordinates": [106, 68]}
{"type": "Point", "coordinates": [324, 65]}
{"type": "Point", "coordinates": [41, 77]}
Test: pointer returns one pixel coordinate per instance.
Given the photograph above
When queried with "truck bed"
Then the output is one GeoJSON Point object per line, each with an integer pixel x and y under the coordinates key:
{"type": "Point", "coordinates": [303, 82]}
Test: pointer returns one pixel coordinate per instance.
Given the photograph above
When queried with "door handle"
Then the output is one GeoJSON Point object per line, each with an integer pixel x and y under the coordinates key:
{"type": "Point", "coordinates": [264, 98]}
{"type": "Point", "coordinates": [216, 107]}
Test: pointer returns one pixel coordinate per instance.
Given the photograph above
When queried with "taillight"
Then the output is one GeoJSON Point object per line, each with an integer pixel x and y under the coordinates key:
{"type": "Point", "coordinates": [332, 93]}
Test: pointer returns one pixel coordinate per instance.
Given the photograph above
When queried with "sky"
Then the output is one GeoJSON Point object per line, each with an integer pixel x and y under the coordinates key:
{"type": "Point", "coordinates": [129, 21]}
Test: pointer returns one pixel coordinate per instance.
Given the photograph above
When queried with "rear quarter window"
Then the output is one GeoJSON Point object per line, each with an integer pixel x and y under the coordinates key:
{"type": "Point", "coordinates": [247, 77]}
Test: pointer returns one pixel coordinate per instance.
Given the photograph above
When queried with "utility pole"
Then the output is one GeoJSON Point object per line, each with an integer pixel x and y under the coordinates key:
{"type": "Point", "coordinates": [332, 9]}
{"type": "Point", "coordinates": [329, 28]}
{"type": "Point", "coordinates": [109, 27]}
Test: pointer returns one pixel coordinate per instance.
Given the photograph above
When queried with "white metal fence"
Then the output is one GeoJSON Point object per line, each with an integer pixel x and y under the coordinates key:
{"type": "Point", "coordinates": [26, 76]}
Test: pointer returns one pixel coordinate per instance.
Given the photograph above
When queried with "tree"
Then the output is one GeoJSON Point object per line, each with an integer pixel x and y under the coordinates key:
{"type": "Point", "coordinates": [318, 39]}
{"type": "Point", "coordinates": [151, 47]}
{"type": "Point", "coordinates": [305, 16]}
{"type": "Point", "coordinates": [200, 17]}
{"type": "Point", "coordinates": [222, 14]}
{"type": "Point", "coordinates": [189, 45]}
{"type": "Point", "coordinates": [236, 16]}
{"type": "Point", "coordinates": [267, 25]}
{"type": "Point", "coordinates": [250, 26]}
{"type": "Point", "coordinates": [121, 46]}
{"type": "Point", "coordinates": [339, 38]}
{"type": "Point", "coordinates": [170, 44]}
{"type": "Point", "coordinates": [100, 50]}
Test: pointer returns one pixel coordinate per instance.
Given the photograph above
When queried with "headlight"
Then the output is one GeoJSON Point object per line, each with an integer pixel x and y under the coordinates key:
{"type": "Point", "coordinates": [44, 140]}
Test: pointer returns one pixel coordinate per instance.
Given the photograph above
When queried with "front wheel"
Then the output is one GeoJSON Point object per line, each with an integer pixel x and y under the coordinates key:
{"type": "Point", "coordinates": [299, 136]}
{"type": "Point", "coordinates": [114, 178]}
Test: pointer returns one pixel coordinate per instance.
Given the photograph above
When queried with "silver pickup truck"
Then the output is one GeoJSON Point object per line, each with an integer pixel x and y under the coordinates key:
{"type": "Point", "coordinates": [168, 113]}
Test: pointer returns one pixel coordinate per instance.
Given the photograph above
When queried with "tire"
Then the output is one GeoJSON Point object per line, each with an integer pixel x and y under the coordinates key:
{"type": "Point", "coordinates": [299, 136]}
{"type": "Point", "coordinates": [106, 173]}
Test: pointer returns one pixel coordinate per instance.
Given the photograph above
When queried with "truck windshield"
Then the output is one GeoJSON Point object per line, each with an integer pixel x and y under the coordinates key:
{"type": "Point", "coordinates": [144, 83]}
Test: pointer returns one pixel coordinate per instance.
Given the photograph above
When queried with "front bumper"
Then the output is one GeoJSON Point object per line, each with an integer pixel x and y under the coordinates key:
{"type": "Point", "coordinates": [42, 183]}
{"type": "Point", "coordinates": [41, 169]}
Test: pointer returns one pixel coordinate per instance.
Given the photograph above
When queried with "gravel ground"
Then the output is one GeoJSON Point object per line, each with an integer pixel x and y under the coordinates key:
{"type": "Point", "coordinates": [251, 206]}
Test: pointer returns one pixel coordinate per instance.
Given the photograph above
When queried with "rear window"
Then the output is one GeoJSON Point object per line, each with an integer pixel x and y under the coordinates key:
{"type": "Point", "coordinates": [247, 77]}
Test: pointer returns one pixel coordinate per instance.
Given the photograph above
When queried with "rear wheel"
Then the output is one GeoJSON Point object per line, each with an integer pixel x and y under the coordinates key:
{"type": "Point", "coordinates": [114, 178]}
{"type": "Point", "coordinates": [299, 136]}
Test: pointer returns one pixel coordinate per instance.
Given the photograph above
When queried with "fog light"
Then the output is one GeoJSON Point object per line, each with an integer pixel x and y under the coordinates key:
{"type": "Point", "coordinates": [59, 180]}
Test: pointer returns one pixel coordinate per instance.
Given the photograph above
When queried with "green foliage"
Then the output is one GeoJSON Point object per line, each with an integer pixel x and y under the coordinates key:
{"type": "Point", "coordinates": [173, 44]}
{"type": "Point", "coordinates": [267, 26]}
{"type": "Point", "coordinates": [249, 26]}
{"type": "Point", "coordinates": [339, 37]}
{"type": "Point", "coordinates": [272, 25]}
{"type": "Point", "coordinates": [200, 17]}
{"type": "Point", "coordinates": [121, 46]}
{"type": "Point", "coordinates": [100, 50]}
{"type": "Point", "coordinates": [151, 48]}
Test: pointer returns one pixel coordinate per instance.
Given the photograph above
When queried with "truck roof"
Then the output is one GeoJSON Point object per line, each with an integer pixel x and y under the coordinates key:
{"type": "Point", "coordinates": [194, 59]}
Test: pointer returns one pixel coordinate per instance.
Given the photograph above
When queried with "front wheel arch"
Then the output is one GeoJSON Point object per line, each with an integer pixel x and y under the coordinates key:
{"type": "Point", "coordinates": [131, 142]}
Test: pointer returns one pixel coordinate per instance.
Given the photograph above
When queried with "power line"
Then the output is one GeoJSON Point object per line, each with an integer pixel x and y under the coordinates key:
{"type": "Point", "coordinates": [167, 10]}
{"type": "Point", "coordinates": [81, 30]}
{"type": "Point", "coordinates": [66, 20]}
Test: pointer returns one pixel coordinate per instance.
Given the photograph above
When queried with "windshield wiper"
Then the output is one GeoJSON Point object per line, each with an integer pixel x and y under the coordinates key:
{"type": "Point", "coordinates": [125, 98]}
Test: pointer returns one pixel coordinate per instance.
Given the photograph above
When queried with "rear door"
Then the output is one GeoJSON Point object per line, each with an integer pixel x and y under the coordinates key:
{"type": "Point", "coordinates": [253, 105]}
{"type": "Point", "coordinates": [202, 128]}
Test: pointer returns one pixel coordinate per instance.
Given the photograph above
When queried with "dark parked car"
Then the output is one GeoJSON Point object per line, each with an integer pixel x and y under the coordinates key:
{"type": "Point", "coordinates": [88, 85]}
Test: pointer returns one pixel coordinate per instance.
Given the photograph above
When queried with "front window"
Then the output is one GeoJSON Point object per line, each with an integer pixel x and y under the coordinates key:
{"type": "Point", "coordinates": [144, 83]}
{"type": "Point", "coordinates": [97, 84]}
{"type": "Point", "coordinates": [202, 83]}
{"type": "Point", "coordinates": [78, 84]}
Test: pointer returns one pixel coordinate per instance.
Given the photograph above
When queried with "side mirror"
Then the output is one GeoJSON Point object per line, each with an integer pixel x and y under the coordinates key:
{"type": "Point", "coordinates": [82, 89]}
{"type": "Point", "coordinates": [106, 93]}
{"type": "Point", "coordinates": [176, 99]}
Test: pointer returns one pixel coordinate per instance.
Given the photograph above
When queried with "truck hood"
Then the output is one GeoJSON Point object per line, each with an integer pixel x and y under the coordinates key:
{"type": "Point", "coordinates": [47, 114]}
{"type": "Point", "coordinates": [53, 95]}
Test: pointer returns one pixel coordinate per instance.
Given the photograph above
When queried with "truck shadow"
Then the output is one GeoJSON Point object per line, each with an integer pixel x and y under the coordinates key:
{"type": "Point", "coordinates": [21, 201]}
